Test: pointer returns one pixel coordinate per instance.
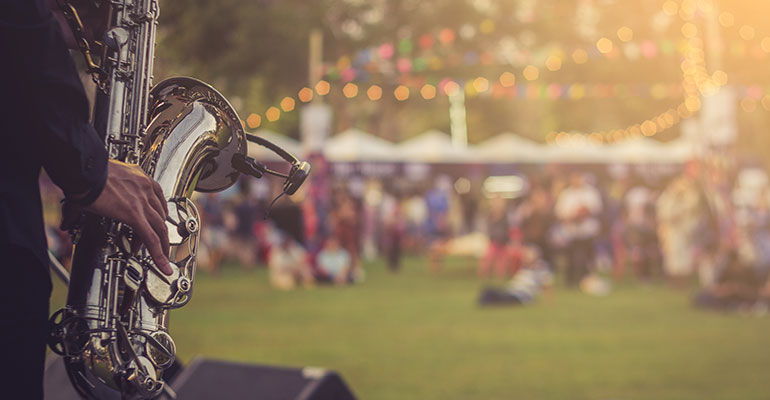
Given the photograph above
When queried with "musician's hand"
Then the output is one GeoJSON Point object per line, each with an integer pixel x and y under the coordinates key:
{"type": "Point", "coordinates": [134, 198]}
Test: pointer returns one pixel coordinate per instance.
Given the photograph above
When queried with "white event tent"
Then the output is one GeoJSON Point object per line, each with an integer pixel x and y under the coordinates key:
{"type": "Point", "coordinates": [577, 150]}
{"type": "Point", "coordinates": [356, 145]}
{"type": "Point", "coordinates": [643, 150]}
{"type": "Point", "coordinates": [433, 146]}
{"type": "Point", "coordinates": [680, 150]}
{"type": "Point", "coordinates": [508, 147]}
{"type": "Point", "coordinates": [636, 150]}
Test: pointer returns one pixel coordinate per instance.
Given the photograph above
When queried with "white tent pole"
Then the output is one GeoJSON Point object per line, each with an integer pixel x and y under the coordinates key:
{"type": "Point", "coordinates": [457, 121]}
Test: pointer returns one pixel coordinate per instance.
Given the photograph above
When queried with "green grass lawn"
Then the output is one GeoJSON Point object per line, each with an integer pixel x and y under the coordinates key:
{"type": "Point", "coordinates": [416, 335]}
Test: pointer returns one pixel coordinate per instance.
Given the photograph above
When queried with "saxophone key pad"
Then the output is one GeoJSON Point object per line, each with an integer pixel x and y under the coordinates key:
{"type": "Point", "coordinates": [161, 287]}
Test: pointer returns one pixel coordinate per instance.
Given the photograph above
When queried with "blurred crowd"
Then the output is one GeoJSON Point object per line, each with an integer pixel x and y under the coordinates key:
{"type": "Point", "coordinates": [706, 222]}
{"type": "Point", "coordinates": [709, 224]}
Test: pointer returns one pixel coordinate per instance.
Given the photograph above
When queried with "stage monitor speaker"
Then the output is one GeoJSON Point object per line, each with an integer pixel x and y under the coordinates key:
{"type": "Point", "coordinates": [205, 379]}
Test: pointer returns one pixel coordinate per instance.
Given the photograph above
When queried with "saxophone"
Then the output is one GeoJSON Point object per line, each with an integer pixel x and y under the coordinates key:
{"type": "Point", "coordinates": [113, 331]}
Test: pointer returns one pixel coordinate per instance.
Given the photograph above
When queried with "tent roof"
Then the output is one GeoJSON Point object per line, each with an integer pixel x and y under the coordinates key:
{"type": "Point", "coordinates": [646, 150]}
{"type": "Point", "coordinates": [357, 145]}
{"type": "Point", "coordinates": [432, 146]}
{"type": "Point", "coordinates": [634, 150]}
{"type": "Point", "coordinates": [680, 150]}
{"type": "Point", "coordinates": [508, 147]}
{"type": "Point", "coordinates": [576, 149]}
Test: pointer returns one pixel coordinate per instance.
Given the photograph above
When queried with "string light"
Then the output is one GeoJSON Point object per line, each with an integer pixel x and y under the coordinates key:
{"type": "Point", "coordinates": [726, 19]}
{"type": "Point", "coordinates": [374, 93]}
{"type": "Point", "coordinates": [766, 102]}
{"type": "Point", "coordinates": [766, 44]}
{"type": "Point", "coordinates": [305, 94]}
{"type": "Point", "coordinates": [687, 10]}
{"type": "Point", "coordinates": [625, 34]}
{"type": "Point", "coordinates": [507, 79]}
{"type": "Point", "coordinates": [428, 92]}
{"type": "Point", "coordinates": [696, 81]}
{"type": "Point", "coordinates": [451, 87]}
{"type": "Point", "coordinates": [574, 91]}
{"type": "Point", "coordinates": [254, 121]}
{"type": "Point", "coordinates": [348, 68]}
{"type": "Point", "coordinates": [531, 73]}
{"type": "Point", "coordinates": [287, 104]}
{"type": "Point", "coordinates": [604, 45]}
{"type": "Point", "coordinates": [322, 88]}
{"type": "Point", "coordinates": [481, 84]}
{"type": "Point", "coordinates": [553, 63]}
{"type": "Point", "coordinates": [350, 90]}
{"type": "Point", "coordinates": [401, 93]}
{"type": "Point", "coordinates": [273, 114]}
{"type": "Point", "coordinates": [689, 30]}
{"type": "Point", "coordinates": [580, 56]}
{"type": "Point", "coordinates": [747, 32]}
{"type": "Point", "coordinates": [670, 8]}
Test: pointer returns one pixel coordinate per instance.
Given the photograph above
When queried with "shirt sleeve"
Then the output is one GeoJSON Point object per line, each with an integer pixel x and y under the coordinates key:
{"type": "Point", "coordinates": [40, 75]}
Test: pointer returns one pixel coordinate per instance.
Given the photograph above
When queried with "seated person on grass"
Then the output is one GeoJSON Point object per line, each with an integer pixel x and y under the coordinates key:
{"type": "Point", "coordinates": [289, 265]}
{"type": "Point", "coordinates": [532, 278]}
{"type": "Point", "coordinates": [737, 286]}
{"type": "Point", "coordinates": [333, 263]}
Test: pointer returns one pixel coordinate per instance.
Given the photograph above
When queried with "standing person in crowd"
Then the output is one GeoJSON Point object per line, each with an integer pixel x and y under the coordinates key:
{"type": "Point", "coordinates": [577, 209]}
{"type": "Point", "coordinates": [247, 211]}
{"type": "Point", "coordinates": [394, 225]}
{"type": "Point", "coordinates": [684, 225]}
{"type": "Point", "coordinates": [751, 200]}
{"type": "Point", "coordinates": [716, 187]}
{"type": "Point", "coordinates": [639, 236]}
{"type": "Point", "coordinates": [346, 228]}
{"type": "Point", "coordinates": [315, 207]}
{"type": "Point", "coordinates": [438, 226]}
{"type": "Point", "coordinates": [614, 203]}
{"type": "Point", "coordinates": [535, 216]}
{"type": "Point", "coordinates": [416, 221]}
{"type": "Point", "coordinates": [45, 125]}
{"type": "Point", "coordinates": [497, 231]}
{"type": "Point", "coordinates": [311, 226]}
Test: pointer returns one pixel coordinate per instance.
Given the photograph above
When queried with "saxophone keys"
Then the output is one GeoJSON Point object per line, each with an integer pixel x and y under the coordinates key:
{"type": "Point", "coordinates": [183, 285]}
{"type": "Point", "coordinates": [143, 377]}
{"type": "Point", "coordinates": [161, 349]}
{"type": "Point", "coordinates": [160, 287]}
{"type": "Point", "coordinates": [191, 226]}
{"type": "Point", "coordinates": [133, 274]}
{"type": "Point", "coordinates": [185, 224]}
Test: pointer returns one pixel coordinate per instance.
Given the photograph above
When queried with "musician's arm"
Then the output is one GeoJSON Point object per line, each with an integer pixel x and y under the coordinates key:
{"type": "Point", "coordinates": [47, 92]}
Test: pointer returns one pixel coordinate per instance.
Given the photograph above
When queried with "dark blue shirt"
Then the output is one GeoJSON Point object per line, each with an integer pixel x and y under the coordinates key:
{"type": "Point", "coordinates": [43, 123]}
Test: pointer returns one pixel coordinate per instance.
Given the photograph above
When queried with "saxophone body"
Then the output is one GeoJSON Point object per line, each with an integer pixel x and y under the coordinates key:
{"type": "Point", "coordinates": [113, 331]}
